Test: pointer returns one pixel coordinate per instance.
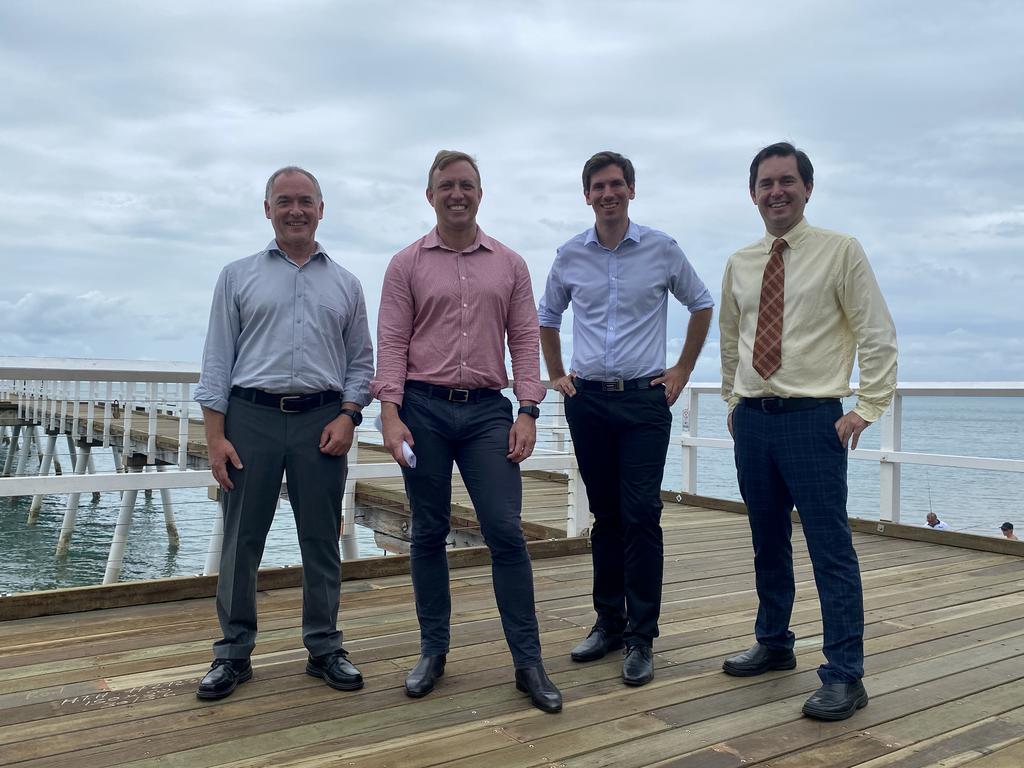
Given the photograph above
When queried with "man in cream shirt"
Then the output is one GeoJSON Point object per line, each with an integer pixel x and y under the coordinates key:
{"type": "Point", "coordinates": [797, 306]}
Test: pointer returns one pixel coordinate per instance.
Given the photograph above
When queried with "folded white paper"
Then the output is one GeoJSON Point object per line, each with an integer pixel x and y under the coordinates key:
{"type": "Point", "coordinates": [410, 457]}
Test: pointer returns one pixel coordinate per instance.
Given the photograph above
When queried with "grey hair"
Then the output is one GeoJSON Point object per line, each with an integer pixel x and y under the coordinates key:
{"type": "Point", "coordinates": [292, 169]}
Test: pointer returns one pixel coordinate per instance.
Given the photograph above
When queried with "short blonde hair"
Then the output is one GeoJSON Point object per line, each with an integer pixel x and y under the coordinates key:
{"type": "Point", "coordinates": [446, 157]}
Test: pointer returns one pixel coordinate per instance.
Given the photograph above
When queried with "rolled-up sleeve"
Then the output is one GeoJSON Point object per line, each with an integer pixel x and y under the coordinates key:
{"type": "Point", "coordinates": [219, 351]}
{"type": "Point", "coordinates": [685, 283]}
{"type": "Point", "coordinates": [358, 354]}
{"type": "Point", "coordinates": [555, 299]}
{"type": "Point", "coordinates": [394, 331]}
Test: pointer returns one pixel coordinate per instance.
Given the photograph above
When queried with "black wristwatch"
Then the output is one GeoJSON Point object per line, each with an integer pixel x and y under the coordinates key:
{"type": "Point", "coordinates": [356, 416]}
{"type": "Point", "coordinates": [530, 410]}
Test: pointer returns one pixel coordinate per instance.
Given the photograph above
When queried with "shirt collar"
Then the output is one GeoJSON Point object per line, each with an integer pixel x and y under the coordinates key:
{"type": "Point", "coordinates": [793, 238]}
{"type": "Point", "coordinates": [632, 233]}
{"type": "Point", "coordinates": [272, 247]}
{"type": "Point", "coordinates": [433, 240]}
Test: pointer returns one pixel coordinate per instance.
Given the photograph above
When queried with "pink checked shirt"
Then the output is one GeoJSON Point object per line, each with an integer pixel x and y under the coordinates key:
{"type": "Point", "coordinates": [444, 315]}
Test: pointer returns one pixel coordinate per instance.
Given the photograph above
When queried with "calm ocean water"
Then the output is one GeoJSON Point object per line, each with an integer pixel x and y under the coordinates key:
{"type": "Point", "coordinates": [968, 500]}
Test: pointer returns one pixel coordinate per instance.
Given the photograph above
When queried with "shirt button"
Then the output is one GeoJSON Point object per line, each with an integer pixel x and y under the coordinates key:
{"type": "Point", "coordinates": [463, 333]}
{"type": "Point", "coordinates": [463, 277]}
{"type": "Point", "coordinates": [465, 305]}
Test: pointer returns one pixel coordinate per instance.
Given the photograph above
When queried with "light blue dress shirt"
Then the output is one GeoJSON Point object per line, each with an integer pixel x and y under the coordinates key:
{"type": "Point", "coordinates": [286, 329]}
{"type": "Point", "coordinates": [619, 300]}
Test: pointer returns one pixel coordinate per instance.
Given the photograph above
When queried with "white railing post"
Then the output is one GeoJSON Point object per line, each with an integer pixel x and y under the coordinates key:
{"type": "Point", "coordinates": [183, 425]}
{"type": "Point", "coordinates": [216, 538]}
{"type": "Point", "coordinates": [689, 457]}
{"type": "Point", "coordinates": [349, 543]}
{"type": "Point", "coordinates": [889, 472]}
{"type": "Point", "coordinates": [577, 521]}
{"type": "Point", "coordinates": [151, 408]}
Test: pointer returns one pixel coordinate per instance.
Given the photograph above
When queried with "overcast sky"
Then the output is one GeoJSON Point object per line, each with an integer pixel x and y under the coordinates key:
{"type": "Point", "coordinates": [136, 139]}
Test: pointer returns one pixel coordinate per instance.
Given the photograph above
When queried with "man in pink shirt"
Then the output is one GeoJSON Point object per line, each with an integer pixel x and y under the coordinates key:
{"type": "Point", "coordinates": [448, 302]}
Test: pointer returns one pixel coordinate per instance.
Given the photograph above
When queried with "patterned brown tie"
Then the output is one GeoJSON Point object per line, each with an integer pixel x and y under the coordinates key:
{"type": "Point", "coordinates": [768, 339]}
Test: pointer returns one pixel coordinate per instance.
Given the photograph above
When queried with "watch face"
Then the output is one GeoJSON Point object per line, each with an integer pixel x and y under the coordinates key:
{"type": "Point", "coordinates": [356, 416]}
{"type": "Point", "coordinates": [530, 410]}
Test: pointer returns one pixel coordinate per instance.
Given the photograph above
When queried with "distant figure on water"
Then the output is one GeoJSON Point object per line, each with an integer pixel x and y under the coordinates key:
{"type": "Point", "coordinates": [797, 306]}
{"type": "Point", "coordinates": [619, 278]}
{"type": "Point", "coordinates": [286, 372]}
{"type": "Point", "coordinates": [933, 522]}
{"type": "Point", "coordinates": [448, 303]}
{"type": "Point", "coordinates": [1007, 529]}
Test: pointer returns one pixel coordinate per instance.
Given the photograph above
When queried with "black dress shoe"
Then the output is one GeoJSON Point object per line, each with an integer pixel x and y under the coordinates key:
{"type": "Point", "coordinates": [597, 644]}
{"type": "Point", "coordinates": [336, 670]}
{"type": "Point", "coordinates": [543, 693]}
{"type": "Point", "coordinates": [836, 701]}
{"type": "Point", "coordinates": [421, 678]}
{"type": "Point", "coordinates": [223, 677]}
{"type": "Point", "coordinates": [638, 666]}
{"type": "Point", "coordinates": [758, 660]}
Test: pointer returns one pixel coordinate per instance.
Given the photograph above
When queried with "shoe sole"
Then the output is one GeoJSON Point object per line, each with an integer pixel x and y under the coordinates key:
{"type": "Point", "coordinates": [614, 646]}
{"type": "Point", "coordinates": [421, 694]}
{"type": "Point", "coordinates": [523, 689]}
{"type": "Point", "coordinates": [773, 667]}
{"type": "Point", "coordinates": [832, 715]}
{"type": "Point", "coordinates": [209, 695]}
{"type": "Point", "coordinates": [637, 682]}
{"type": "Point", "coordinates": [314, 672]}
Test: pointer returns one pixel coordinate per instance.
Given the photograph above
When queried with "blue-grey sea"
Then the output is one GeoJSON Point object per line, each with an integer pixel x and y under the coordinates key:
{"type": "Point", "coordinates": [975, 501]}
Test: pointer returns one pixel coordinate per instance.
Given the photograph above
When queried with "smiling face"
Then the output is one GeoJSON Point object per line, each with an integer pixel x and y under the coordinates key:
{"type": "Point", "coordinates": [455, 194]}
{"type": "Point", "coordinates": [780, 194]}
{"type": "Point", "coordinates": [295, 209]}
{"type": "Point", "coordinates": [609, 196]}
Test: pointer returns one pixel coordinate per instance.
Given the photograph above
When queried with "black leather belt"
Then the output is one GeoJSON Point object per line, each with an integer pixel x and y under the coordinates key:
{"type": "Point", "coordinates": [452, 395]}
{"type": "Point", "coordinates": [785, 404]}
{"type": "Point", "coordinates": [287, 403]}
{"type": "Point", "coordinates": [616, 385]}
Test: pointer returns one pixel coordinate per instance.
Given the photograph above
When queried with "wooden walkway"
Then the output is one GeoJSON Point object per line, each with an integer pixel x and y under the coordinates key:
{"type": "Point", "coordinates": [945, 669]}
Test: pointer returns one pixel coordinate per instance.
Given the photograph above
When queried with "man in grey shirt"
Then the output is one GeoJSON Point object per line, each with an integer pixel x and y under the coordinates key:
{"type": "Point", "coordinates": [286, 372]}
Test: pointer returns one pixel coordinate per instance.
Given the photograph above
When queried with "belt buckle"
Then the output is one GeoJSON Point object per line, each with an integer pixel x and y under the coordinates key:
{"type": "Point", "coordinates": [615, 385]}
{"type": "Point", "coordinates": [771, 404]}
{"type": "Point", "coordinates": [280, 403]}
{"type": "Point", "coordinates": [458, 395]}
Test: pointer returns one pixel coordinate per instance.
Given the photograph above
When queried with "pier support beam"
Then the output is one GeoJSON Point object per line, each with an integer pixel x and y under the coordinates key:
{"type": "Point", "coordinates": [173, 540]}
{"type": "Point", "coordinates": [68, 526]}
{"type": "Point", "coordinates": [25, 455]}
{"type": "Point", "coordinates": [124, 524]}
{"type": "Point", "coordinates": [44, 469]}
{"type": "Point", "coordinates": [12, 450]}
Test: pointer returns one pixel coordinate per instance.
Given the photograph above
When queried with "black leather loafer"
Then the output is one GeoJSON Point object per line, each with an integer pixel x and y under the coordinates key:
{"type": "Point", "coordinates": [597, 644]}
{"type": "Point", "coordinates": [758, 660]}
{"type": "Point", "coordinates": [223, 677]}
{"type": "Point", "coordinates": [543, 693]}
{"type": "Point", "coordinates": [336, 670]}
{"type": "Point", "coordinates": [638, 666]}
{"type": "Point", "coordinates": [836, 701]}
{"type": "Point", "coordinates": [421, 678]}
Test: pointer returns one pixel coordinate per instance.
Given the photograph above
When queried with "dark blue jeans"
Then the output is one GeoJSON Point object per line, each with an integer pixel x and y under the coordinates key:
{"type": "Point", "coordinates": [475, 436]}
{"type": "Point", "coordinates": [621, 439]}
{"type": "Point", "coordinates": [791, 458]}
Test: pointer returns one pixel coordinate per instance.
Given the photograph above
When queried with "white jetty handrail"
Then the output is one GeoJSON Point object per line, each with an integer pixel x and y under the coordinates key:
{"type": "Point", "coordinates": [889, 455]}
{"type": "Point", "coordinates": [63, 396]}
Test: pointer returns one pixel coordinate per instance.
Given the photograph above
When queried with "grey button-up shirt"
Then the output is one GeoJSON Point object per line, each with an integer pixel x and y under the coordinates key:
{"type": "Point", "coordinates": [282, 328]}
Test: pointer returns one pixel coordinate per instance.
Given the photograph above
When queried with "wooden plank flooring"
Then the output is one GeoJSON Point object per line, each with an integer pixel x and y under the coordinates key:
{"type": "Point", "coordinates": [945, 669]}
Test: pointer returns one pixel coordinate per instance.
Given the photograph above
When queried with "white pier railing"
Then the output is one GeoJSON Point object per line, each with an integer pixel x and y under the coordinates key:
{"type": "Point", "coordinates": [143, 412]}
{"type": "Point", "coordinates": [889, 456]}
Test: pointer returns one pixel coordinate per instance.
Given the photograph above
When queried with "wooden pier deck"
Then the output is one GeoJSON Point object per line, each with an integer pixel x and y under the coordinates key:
{"type": "Point", "coordinates": [945, 669]}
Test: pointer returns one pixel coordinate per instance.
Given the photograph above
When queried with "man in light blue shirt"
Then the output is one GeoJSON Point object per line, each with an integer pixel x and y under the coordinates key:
{"type": "Point", "coordinates": [618, 276]}
{"type": "Point", "coordinates": [286, 372]}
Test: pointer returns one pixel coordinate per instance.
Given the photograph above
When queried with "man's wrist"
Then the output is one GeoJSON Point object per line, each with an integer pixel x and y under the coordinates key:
{"type": "Point", "coordinates": [529, 409]}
